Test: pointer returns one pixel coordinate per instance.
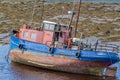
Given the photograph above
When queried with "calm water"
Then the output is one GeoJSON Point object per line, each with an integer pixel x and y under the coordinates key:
{"type": "Point", "coordinates": [100, 0]}
{"type": "Point", "coordinates": [15, 71]}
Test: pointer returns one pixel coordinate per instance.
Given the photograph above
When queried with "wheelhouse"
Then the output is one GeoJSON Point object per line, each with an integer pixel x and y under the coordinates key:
{"type": "Point", "coordinates": [50, 33]}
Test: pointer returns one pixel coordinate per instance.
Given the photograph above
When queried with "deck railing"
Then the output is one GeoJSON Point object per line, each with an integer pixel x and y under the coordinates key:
{"type": "Point", "coordinates": [106, 47]}
{"type": "Point", "coordinates": [55, 44]}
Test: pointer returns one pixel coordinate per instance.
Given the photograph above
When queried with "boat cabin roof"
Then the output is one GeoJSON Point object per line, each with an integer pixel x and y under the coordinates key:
{"type": "Point", "coordinates": [59, 24]}
{"type": "Point", "coordinates": [53, 26]}
{"type": "Point", "coordinates": [50, 22]}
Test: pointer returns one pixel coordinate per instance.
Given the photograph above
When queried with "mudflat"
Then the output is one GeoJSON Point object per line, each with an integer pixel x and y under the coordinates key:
{"type": "Point", "coordinates": [96, 19]}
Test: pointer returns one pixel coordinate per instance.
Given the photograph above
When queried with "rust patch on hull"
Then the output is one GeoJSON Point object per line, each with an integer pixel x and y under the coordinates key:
{"type": "Point", "coordinates": [59, 63]}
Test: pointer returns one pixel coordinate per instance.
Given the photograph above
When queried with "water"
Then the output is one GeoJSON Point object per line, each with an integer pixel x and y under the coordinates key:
{"type": "Point", "coordinates": [15, 71]}
{"type": "Point", "coordinates": [100, 0]}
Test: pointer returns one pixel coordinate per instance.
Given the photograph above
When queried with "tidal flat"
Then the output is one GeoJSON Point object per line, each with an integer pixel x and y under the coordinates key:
{"type": "Point", "coordinates": [96, 19]}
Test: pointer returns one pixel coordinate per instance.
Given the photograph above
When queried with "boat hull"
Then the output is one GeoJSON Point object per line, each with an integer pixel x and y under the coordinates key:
{"type": "Point", "coordinates": [60, 63]}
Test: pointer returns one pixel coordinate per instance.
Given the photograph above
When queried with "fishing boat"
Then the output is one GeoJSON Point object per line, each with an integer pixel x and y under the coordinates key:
{"type": "Point", "coordinates": [51, 46]}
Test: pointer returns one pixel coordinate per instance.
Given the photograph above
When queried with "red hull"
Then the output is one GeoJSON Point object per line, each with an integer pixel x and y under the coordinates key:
{"type": "Point", "coordinates": [59, 63]}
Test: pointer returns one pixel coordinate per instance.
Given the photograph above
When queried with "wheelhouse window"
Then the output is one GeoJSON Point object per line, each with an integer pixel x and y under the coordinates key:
{"type": "Point", "coordinates": [25, 35]}
{"type": "Point", "coordinates": [51, 27]}
{"type": "Point", "coordinates": [33, 35]}
{"type": "Point", "coordinates": [48, 26]}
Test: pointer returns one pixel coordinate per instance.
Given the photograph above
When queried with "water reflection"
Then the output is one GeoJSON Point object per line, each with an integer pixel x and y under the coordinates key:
{"type": "Point", "coordinates": [15, 71]}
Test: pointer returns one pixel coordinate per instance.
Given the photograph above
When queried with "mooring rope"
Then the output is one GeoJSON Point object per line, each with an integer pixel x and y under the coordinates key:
{"type": "Point", "coordinates": [109, 56]}
{"type": "Point", "coordinates": [8, 55]}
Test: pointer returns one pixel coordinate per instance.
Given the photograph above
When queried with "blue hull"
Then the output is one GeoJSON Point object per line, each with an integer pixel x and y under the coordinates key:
{"type": "Point", "coordinates": [37, 48]}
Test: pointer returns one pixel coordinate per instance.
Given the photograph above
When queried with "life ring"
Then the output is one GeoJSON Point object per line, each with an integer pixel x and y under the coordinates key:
{"type": "Point", "coordinates": [20, 46]}
{"type": "Point", "coordinates": [78, 54]}
{"type": "Point", "coordinates": [51, 50]}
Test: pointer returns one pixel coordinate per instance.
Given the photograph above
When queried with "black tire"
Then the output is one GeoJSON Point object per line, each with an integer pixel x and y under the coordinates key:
{"type": "Point", "coordinates": [51, 50]}
{"type": "Point", "coordinates": [20, 46]}
{"type": "Point", "coordinates": [14, 31]}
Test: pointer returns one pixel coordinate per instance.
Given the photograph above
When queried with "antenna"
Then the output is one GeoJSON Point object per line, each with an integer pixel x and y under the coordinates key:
{"type": "Point", "coordinates": [62, 14]}
{"type": "Point", "coordinates": [79, 6]}
{"type": "Point", "coordinates": [32, 14]}
{"type": "Point", "coordinates": [62, 11]}
{"type": "Point", "coordinates": [43, 1]}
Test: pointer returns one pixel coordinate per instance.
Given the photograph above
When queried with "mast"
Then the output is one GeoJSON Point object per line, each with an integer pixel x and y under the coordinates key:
{"type": "Point", "coordinates": [72, 13]}
{"type": "Point", "coordinates": [79, 6]}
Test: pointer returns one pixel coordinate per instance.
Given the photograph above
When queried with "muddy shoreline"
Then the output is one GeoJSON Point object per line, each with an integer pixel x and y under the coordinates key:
{"type": "Point", "coordinates": [96, 19]}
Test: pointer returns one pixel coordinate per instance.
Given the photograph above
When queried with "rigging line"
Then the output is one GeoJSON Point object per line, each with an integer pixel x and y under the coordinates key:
{"type": "Point", "coordinates": [32, 14]}
{"type": "Point", "coordinates": [110, 58]}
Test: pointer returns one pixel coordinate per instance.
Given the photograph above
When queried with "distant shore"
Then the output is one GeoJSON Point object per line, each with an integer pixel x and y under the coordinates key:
{"type": "Point", "coordinates": [62, 1]}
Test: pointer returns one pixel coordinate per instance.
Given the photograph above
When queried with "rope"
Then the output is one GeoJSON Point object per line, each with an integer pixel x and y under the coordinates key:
{"type": "Point", "coordinates": [104, 73]}
{"type": "Point", "coordinates": [109, 56]}
{"type": "Point", "coordinates": [7, 58]}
